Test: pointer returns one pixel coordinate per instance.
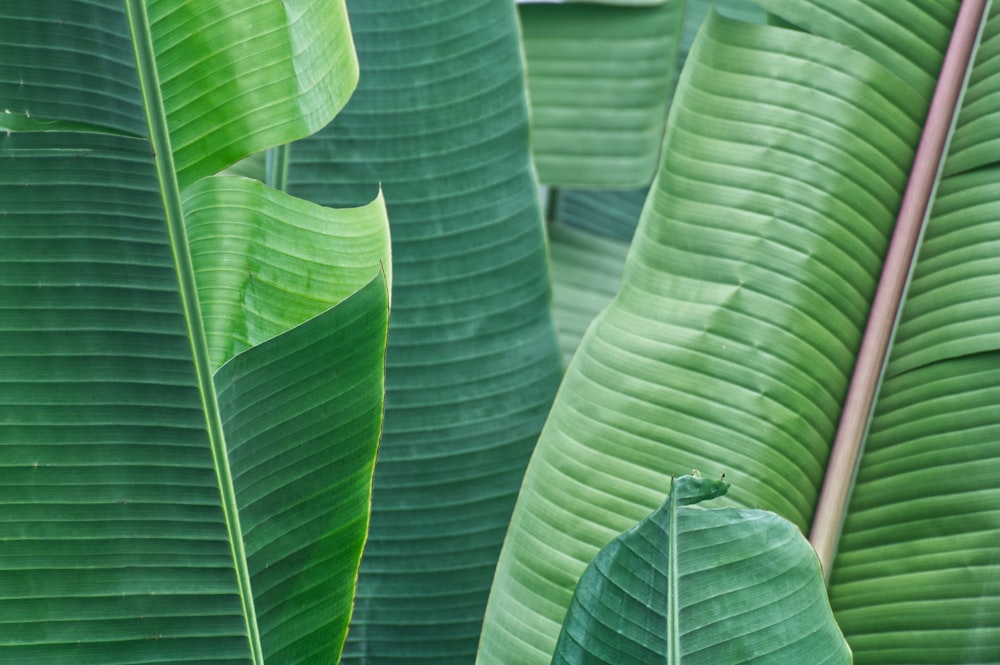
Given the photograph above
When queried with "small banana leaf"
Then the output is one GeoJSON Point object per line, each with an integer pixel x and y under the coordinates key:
{"type": "Point", "coordinates": [690, 585]}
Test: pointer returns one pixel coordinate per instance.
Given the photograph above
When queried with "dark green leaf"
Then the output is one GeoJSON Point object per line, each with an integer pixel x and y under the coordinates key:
{"type": "Point", "coordinates": [749, 590]}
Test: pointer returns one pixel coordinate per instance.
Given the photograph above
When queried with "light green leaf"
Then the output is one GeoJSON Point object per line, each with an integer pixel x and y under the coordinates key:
{"type": "Point", "coordinates": [284, 83]}
{"type": "Point", "coordinates": [732, 339]}
{"type": "Point", "coordinates": [599, 80]}
{"type": "Point", "coordinates": [689, 585]}
{"type": "Point", "coordinates": [248, 242]}
{"type": "Point", "coordinates": [697, 10]}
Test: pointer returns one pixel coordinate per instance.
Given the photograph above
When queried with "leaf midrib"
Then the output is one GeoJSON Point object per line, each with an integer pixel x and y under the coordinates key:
{"type": "Point", "coordinates": [897, 272]}
{"type": "Point", "coordinates": [673, 604]}
{"type": "Point", "coordinates": [156, 119]}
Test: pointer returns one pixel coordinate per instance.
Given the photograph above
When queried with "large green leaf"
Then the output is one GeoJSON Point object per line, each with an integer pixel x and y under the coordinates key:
{"type": "Point", "coordinates": [731, 342]}
{"type": "Point", "coordinates": [440, 120]}
{"type": "Point", "coordinates": [688, 585]}
{"type": "Point", "coordinates": [175, 491]}
{"type": "Point", "coordinates": [916, 576]}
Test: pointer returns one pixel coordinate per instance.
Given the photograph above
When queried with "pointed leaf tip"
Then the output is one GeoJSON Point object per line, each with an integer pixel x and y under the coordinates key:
{"type": "Point", "coordinates": [692, 488]}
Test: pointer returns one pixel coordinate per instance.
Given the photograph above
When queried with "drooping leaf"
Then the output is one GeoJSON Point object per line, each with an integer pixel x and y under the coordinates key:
{"type": "Point", "coordinates": [248, 242]}
{"type": "Point", "coordinates": [697, 10]}
{"type": "Point", "coordinates": [286, 82]}
{"type": "Point", "coordinates": [599, 81]}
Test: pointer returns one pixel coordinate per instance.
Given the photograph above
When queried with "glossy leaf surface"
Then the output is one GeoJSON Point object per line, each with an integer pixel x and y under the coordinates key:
{"type": "Point", "coordinates": [163, 506]}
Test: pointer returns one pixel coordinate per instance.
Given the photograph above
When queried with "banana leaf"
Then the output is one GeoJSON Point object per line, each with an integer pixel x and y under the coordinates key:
{"type": "Point", "coordinates": [192, 364]}
{"type": "Point", "coordinates": [602, 212]}
{"type": "Point", "coordinates": [600, 77]}
{"type": "Point", "coordinates": [440, 120]}
{"type": "Point", "coordinates": [731, 343]}
{"type": "Point", "coordinates": [699, 585]}
{"type": "Point", "coordinates": [599, 81]}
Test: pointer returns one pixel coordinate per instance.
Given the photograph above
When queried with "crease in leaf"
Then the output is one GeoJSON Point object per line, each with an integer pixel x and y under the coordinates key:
{"type": "Point", "coordinates": [265, 261]}
{"type": "Point", "coordinates": [744, 297]}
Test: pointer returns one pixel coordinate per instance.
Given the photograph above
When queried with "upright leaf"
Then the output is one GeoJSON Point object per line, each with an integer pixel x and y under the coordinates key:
{"type": "Point", "coordinates": [731, 341]}
{"type": "Point", "coordinates": [688, 585]}
{"type": "Point", "coordinates": [164, 501]}
{"type": "Point", "coordinates": [440, 120]}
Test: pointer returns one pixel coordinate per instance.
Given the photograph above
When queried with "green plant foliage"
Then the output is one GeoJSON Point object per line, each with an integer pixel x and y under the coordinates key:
{"type": "Point", "coordinates": [730, 343]}
{"type": "Point", "coordinates": [192, 366]}
{"type": "Point", "coordinates": [586, 271]}
{"type": "Point", "coordinates": [169, 497]}
{"type": "Point", "coordinates": [582, 282]}
{"type": "Point", "coordinates": [688, 585]}
{"type": "Point", "coordinates": [599, 80]}
{"type": "Point", "coordinates": [440, 120]}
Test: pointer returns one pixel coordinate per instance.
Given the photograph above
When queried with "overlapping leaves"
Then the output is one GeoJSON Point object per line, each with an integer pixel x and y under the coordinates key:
{"type": "Point", "coordinates": [729, 345]}
{"type": "Point", "coordinates": [163, 504]}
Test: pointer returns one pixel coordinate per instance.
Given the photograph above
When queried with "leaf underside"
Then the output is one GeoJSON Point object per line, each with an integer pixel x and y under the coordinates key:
{"type": "Point", "coordinates": [730, 342]}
